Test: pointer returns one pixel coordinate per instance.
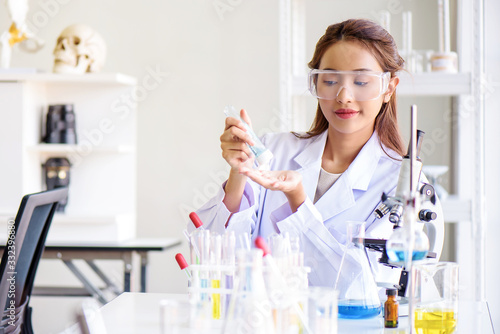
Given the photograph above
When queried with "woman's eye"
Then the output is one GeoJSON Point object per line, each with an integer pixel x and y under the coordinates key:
{"type": "Point", "coordinates": [329, 82]}
{"type": "Point", "coordinates": [361, 83]}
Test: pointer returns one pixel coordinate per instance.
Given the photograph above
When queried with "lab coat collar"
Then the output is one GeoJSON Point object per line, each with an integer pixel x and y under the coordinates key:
{"type": "Point", "coordinates": [358, 176]}
{"type": "Point", "coordinates": [310, 162]}
{"type": "Point", "coordinates": [361, 170]}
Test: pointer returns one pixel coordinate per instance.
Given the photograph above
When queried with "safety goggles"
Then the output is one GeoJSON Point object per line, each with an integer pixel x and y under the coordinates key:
{"type": "Point", "coordinates": [362, 85]}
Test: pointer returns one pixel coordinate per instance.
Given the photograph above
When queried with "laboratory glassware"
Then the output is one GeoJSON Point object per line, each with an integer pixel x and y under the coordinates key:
{"type": "Point", "coordinates": [322, 310]}
{"type": "Point", "coordinates": [391, 307]}
{"type": "Point", "coordinates": [250, 309]}
{"type": "Point", "coordinates": [436, 297]}
{"type": "Point", "coordinates": [397, 247]}
{"type": "Point", "coordinates": [358, 295]}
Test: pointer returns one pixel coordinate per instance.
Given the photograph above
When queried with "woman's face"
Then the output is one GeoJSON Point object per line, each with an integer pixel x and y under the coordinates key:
{"type": "Point", "coordinates": [345, 115]}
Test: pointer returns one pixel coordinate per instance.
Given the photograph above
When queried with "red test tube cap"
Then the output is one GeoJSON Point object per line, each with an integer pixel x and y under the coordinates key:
{"type": "Point", "coordinates": [181, 261]}
{"type": "Point", "coordinates": [262, 244]}
{"type": "Point", "coordinates": [195, 219]}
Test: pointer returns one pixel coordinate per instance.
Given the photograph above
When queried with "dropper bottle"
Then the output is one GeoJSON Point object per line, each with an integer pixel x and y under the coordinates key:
{"type": "Point", "coordinates": [391, 309]}
{"type": "Point", "coordinates": [262, 155]}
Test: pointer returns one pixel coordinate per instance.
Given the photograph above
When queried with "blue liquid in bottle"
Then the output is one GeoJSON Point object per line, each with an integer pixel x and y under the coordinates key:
{"type": "Point", "coordinates": [398, 255]}
{"type": "Point", "coordinates": [351, 309]}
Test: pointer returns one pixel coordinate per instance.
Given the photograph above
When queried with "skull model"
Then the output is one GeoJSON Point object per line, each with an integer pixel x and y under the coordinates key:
{"type": "Point", "coordinates": [79, 49]}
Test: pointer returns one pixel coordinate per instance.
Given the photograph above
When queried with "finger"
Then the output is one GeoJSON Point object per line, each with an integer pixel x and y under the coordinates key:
{"type": "Point", "coordinates": [235, 134]}
{"type": "Point", "coordinates": [231, 121]}
{"type": "Point", "coordinates": [244, 116]}
{"type": "Point", "coordinates": [236, 146]}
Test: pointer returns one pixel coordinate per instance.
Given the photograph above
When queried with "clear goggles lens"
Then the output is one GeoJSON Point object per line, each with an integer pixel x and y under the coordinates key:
{"type": "Point", "coordinates": [361, 85]}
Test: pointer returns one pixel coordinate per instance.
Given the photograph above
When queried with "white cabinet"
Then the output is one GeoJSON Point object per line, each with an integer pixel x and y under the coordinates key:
{"type": "Point", "coordinates": [102, 191]}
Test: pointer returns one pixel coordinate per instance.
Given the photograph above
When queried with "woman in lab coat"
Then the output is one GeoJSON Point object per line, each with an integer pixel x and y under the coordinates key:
{"type": "Point", "coordinates": [334, 173]}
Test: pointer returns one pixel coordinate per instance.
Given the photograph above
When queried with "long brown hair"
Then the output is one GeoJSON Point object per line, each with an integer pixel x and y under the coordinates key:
{"type": "Point", "coordinates": [383, 47]}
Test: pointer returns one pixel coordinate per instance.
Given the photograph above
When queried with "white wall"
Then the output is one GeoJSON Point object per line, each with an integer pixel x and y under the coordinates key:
{"type": "Point", "coordinates": [206, 60]}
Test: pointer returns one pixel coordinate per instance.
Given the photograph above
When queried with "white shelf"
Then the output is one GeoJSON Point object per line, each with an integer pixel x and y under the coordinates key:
{"type": "Point", "coordinates": [456, 209]}
{"type": "Point", "coordinates": [434, 84]}
{"type": "Point", "coordinates": [91, 78]}
{"type": "Point", "coordinates": [418, 84]}
{"type": "Point", "coordinates": [69, 148]}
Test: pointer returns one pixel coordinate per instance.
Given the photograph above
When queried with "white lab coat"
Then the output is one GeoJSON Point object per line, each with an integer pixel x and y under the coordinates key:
{"type": "Point", "coordinates": [321, 227]}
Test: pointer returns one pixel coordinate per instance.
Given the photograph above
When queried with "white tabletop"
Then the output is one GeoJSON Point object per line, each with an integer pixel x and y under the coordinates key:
{"type": "Point", "coordinates": [132, 313]}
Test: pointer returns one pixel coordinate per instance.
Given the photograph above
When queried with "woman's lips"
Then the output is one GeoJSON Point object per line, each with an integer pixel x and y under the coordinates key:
{"type": "Point", "coordinates": [346, 113]}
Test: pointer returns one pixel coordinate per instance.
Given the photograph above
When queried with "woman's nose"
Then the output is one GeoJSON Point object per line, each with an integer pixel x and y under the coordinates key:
{"type": "Point", "coordinates": [344, 95]}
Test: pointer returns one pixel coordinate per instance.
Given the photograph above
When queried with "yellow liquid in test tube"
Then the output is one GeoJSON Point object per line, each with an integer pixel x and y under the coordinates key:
{"type": "Point", "coordinates": [216, 306]}
{"type": "Point", "coordinates": [435, 322]}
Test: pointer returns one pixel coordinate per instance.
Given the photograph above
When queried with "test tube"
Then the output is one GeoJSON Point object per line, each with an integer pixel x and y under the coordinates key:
{"type": "Point", "coordinates": [229, 261]}
{"type": "Point", "coordinates": [204, 244]}
{"type": "Point", "coordinates": [215, 261]}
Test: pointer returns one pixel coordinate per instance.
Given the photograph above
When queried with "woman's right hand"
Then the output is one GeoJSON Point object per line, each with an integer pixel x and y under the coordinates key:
{"type": "Point", "coordinates": [237, 154]}
{"type": "Point", "coordinates": [234, 142]}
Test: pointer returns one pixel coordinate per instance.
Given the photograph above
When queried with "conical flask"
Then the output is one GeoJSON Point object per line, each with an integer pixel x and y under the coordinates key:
{"type": "Point", "coordinates": [358, 294]}
{"type": "Point", "coordinates": [250, 309]}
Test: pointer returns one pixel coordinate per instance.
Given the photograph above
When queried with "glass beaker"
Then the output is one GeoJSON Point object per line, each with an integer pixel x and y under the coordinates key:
{"type": "Point", "coordinates": [322, 310]}
{"type": "Point", "coordinates": [436, 297]}
{"type": "Point", "coordinates": [358, 294]}
{"type": "Point", "coordinates": [250, 309]}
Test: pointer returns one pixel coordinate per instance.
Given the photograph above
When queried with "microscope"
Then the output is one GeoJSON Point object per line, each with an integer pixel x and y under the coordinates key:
{"type": "Point", "coordinates": [412, 197]}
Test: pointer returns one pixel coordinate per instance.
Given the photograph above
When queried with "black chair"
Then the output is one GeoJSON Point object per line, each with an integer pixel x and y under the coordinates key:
{"type": "Point", "coordinates": [22, 253]}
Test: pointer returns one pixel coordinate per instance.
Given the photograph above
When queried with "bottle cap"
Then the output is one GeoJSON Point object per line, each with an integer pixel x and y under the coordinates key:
{"type": "Point", "coordinates": [390, 292]}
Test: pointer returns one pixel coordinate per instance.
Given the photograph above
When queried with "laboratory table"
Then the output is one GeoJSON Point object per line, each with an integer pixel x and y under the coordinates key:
{"type": "Point", "coordinates": [68, 252]}
{"type": "Point", "coordinates": [132, 313]}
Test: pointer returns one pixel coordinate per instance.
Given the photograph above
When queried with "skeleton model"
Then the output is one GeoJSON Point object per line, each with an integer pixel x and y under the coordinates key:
{"type": "Point", "coordinates": [17, 33]}
{"type": "Point", "coordinates": [79, 50]}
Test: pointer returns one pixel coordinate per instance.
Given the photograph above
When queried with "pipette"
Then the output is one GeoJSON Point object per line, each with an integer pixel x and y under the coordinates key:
{"type": "Point", "coordinates": [194, 238]}
{"type": "Point", "coordinates": [181, 261]}
{"type": "Point", "coordinates": [196, 220]}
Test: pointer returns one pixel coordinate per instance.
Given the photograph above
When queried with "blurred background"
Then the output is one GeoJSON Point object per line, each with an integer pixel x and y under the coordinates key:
{"type": "Point", "coordinates": [207, 54]}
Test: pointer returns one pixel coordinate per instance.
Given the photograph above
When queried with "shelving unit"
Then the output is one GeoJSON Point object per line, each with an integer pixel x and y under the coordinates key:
{"type": "Point", "coordinates": [102, 196]}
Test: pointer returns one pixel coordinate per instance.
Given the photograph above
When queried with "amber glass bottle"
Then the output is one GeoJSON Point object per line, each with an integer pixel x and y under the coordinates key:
{"type": "Point", "coordinates": [391, 309]}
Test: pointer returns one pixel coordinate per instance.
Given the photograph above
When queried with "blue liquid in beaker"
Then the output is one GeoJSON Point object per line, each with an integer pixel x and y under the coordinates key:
{"type": "Point", "coordinates": [398, 256]}
{"type": "Point", "coordinates": [353, 310]}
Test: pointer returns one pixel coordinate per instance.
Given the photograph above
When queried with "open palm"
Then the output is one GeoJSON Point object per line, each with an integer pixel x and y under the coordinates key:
{"type": "Point", "coordinates": [284, 180]}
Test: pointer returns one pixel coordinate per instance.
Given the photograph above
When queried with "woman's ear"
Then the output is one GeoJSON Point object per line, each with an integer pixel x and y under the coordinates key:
{"type": "Point", "coordinates": [391, 89]}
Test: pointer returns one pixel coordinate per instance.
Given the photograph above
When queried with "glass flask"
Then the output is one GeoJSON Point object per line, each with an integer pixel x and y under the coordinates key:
{"type": "Point", "coordinates": [397, 247]}
{"type": "Point", "coordinates": [358, 294]}
{"type": "Point", "coordinates": [250, 309]}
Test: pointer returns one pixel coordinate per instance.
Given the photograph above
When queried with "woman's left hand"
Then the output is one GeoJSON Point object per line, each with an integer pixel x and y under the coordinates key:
{"type": "Point", "coordinates": [287, 181]}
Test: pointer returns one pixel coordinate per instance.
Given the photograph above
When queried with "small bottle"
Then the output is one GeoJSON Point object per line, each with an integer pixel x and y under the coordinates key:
{"type": "Point", "coordinates": [262, 155]}
{"type": "Point", "coordinates": [391, 309]}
